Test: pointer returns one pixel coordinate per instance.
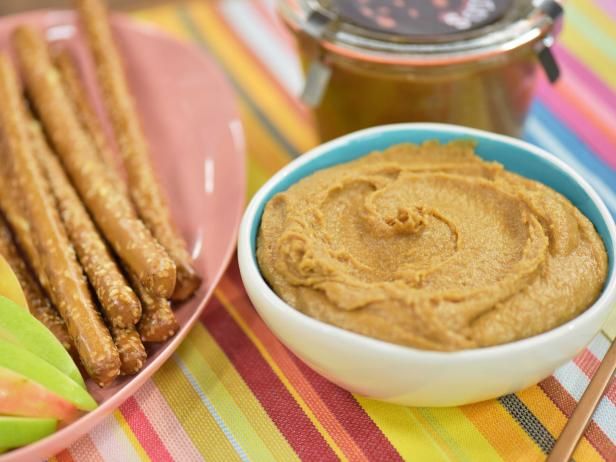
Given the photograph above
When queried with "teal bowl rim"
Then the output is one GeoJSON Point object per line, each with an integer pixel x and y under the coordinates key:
{"type": "Point", "coordinates": [538, 164]}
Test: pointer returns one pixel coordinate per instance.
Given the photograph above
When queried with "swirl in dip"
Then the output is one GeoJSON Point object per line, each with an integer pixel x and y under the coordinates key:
{"type": "Point", "coordinates": [431, 247]}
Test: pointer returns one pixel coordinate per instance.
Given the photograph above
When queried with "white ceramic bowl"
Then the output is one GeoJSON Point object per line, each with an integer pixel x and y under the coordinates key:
{"type": "Point", "coordinates": [410, 376]}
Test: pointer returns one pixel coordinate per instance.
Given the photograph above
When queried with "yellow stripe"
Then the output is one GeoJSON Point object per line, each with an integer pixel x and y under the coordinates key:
{"type": "Point", "coordinates": [232, 417]}
{"type": "Point", "coordinates": [130, 436]}
{"type": "Point", "coordinates": [260, 144]}
{"type": "Point", "coordinates": [196, 421]}
{"type": "Point", "coordinates": [459, 433]}
{"type": "Point", "coordinates": [267, 357]}
{"type": "Point", "coordinates": [500, 429]}
{"type": "Point", "coordinates": [256, 177]}
{"type": "Point", "coordinates": [590, 13]}
{"type": "Point", "coordinates": [554, 421]}
{"type": "Point", "coordinates": [226, 407]}
{"type": "Point", "coordinates": [163, 17]}
{"type": "Point", "coordinates": [403, 430]}
{"type": "Point", "coordinates": [252, 79]}
{"type": "Point", "coordinates": [600, 64]}
{"type": "Point", "coordinates": [586, 452]}
{"type": "Point", "coordinates": [240, 393]}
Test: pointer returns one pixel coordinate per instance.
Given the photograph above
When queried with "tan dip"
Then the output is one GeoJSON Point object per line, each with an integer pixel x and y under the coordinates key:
{"type": "Point", "coordinates": [429, 246]}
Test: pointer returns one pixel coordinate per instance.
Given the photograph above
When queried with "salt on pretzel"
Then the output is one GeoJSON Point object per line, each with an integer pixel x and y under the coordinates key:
{"type": "Point", "coordinates": [110, 209]}
{"type": "Point", "coordinates": [69, 291]}
{"type": "Point", "coordinates": [143, 186]}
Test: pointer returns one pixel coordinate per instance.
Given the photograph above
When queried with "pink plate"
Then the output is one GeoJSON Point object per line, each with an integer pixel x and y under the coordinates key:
{"type": "Point", "coordinates": [189, 116]}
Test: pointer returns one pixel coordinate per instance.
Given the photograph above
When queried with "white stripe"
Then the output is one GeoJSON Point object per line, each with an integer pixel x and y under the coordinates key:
{"type": "Point", "coordinates": [572, 379]}
{"type": "Point", "coordinates": [599, 345]}
{"type": "Point", "coordinates": [166, 424]}
{"type": "Point", "coordinates": [211, 408]}
{"type": "Point", "coordinates": [605, 417]}
{"type": "Point", "coordinates": [267, 46]}
{"type": "Point", "coordinates": [111, 441]}
{"type": "Point", "coordinates": [556, 147]}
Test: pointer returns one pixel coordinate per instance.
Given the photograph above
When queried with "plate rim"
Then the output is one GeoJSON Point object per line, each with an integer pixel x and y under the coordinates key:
{"type": "Point", "coordinates": [86, 422]}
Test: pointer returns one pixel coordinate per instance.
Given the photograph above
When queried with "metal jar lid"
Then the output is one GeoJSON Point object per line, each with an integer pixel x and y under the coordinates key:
{"type": "Point", "coordinates": [422, 32]}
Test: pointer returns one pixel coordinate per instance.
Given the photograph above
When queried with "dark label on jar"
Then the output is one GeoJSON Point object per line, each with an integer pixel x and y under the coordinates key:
{"type": "Point", "coordinates": [421, 18]}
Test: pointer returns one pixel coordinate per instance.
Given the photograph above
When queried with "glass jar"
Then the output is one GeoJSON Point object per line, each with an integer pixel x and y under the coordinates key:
{"type": "Point", "coordinates": [467, 62]}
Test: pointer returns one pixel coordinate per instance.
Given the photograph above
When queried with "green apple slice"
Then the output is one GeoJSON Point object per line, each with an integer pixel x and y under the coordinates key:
{"type": "Point", "coordinates": [23, 362]}
{"type": "Point", "coordinates": [19, 431]}
{"type": "Point", "coordinates": [20, 327]}
{"type": "Point", "coordinates": [22, 397]}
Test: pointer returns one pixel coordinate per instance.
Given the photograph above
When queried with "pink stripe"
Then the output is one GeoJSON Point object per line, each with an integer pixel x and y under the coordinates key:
{"type": "Point", "coordinates": [143, 430]}
{"type": "Point", "coordinates": [609, 6]}
{"type": "Point", "coordinates": [573, 85]}
{"type": "Point", "coordinates": [585, 76]}
{"type": "Point", "coordinates": [166, 423]}
{"type": "Point", "coordinates": [587, 362]}
{"type": "Point", "coordinates": [590, 134]}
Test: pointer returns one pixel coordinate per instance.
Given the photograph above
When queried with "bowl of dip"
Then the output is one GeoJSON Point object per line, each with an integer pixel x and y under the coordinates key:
{"type": "Point", "coordinates": [436, 266]}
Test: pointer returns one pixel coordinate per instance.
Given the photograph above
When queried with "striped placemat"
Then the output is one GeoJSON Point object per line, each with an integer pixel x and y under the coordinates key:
{"type": "Point", "coordinates": [233, 392]}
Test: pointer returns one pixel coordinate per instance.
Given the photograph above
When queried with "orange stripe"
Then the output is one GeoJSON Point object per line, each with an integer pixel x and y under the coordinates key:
{"type": "Point", "coordinates": [502, 432]}
{"type": "Point", "coordinates": [64, 456]}
{"type": "Point", "coordinates": [85, 449]}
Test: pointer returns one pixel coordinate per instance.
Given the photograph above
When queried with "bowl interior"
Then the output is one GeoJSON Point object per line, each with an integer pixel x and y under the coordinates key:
{"type": "Point", "coordinates": [515, 155]}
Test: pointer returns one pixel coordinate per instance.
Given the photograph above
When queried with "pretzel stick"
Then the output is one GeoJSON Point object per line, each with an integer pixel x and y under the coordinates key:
{"type": "Point", "coordinates": [113, 213]}
{"type": "Point", "coordinates": [131, 349]}
{"type": "Point", "coordinates": [78, 95]}
{"type": "Point", "coordinates": [69, 291]}
{"type": "Point", "coordinates": [143, 185]}
{"type": "Point", "coordinates": [159, 323]}
{"type": "Point", "coordinates": [38, 303]}
{"type": "Point", "coordinates": [14, 214]}
{"type": "Point", "coordinates": [118, 301]}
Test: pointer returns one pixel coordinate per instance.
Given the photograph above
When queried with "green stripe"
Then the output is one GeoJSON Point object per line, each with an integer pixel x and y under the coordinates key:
{"type": "Point", "coordinates": [445, 436]}
{"type": "Point", "coordinates": [192, 414]}
{"type": "Point", "coordinates": [407, 434]}
{"type": "Point", "coordinates": [453, 425]}
{"type": "Point", "coordinates": [231, 414]}
{"type": "Point", "coordinates": [576, 18]}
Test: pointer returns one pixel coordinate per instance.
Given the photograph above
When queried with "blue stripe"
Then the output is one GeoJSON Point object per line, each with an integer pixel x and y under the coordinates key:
{"type": "Point", "coordinates": [553, 137]}
{"type": "Point", "coordinates": [210, 407]}
{"type": "Point", "coordinates": [574, 143]}
{"type": "Point", "coordinates": [539, 135]}
{"type": "Point", "coordinates": [200, 40]}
